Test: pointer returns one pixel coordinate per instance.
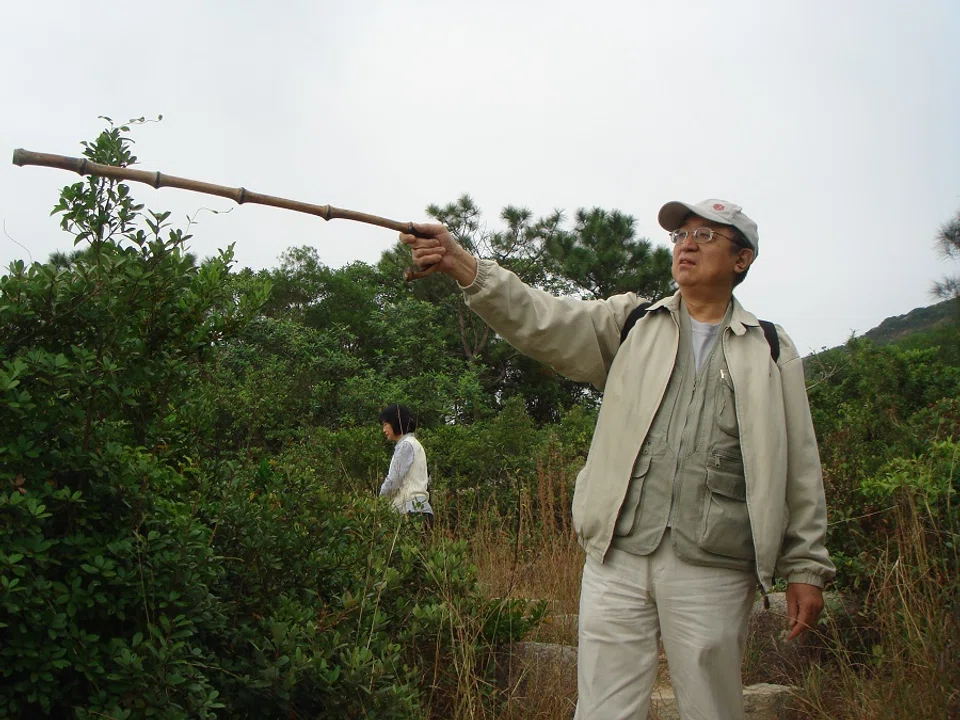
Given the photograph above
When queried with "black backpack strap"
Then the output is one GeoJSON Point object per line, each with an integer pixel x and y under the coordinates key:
{"type": "Point", "coordinates": [636, 314]}
{"type": "Point", "coordinates": [773, 340]}
{"type": "Point", "coordinates": [769, 330]}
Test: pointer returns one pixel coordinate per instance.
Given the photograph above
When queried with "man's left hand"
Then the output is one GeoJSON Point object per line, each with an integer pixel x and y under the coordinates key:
{"type": "Point", "coordinates": [804, 605]}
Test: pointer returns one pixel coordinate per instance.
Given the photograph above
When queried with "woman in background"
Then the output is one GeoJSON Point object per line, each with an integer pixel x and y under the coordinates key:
{"type": "Point", "coordinates": [407, 480]}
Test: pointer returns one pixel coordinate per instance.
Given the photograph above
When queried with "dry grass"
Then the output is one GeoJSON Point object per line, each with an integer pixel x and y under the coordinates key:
{"type": "Point", "coordinates": [898, 657]}
{"type": "Point", "coordinates": [532, 555]}
{"type": "Point", "coordinates": [536, 557]}
{"type": "Point", "coordinates": [903, 659]}
{"type": "Point", "coordinates": [543, 568]}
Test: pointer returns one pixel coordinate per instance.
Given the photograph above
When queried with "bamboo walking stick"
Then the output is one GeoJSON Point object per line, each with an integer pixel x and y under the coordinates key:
{"type": "Point", "coordinates": [239, 195]}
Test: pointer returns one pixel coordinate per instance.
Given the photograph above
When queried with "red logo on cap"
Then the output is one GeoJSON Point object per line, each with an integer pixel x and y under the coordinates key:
{"type": "Point", "coordinates": [718, 207]}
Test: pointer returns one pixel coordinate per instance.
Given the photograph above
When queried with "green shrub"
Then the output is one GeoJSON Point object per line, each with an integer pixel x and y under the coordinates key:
{"type": "Point", "coordinates": [337, 606]}
{"type": "Point", "coordinates": [145, 571]}
{"type": "Point", "coordinates": [872, 405]}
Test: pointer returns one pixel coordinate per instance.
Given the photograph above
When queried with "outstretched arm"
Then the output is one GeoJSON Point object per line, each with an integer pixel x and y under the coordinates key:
{"type": "Point", "coordinates": [578, 338]}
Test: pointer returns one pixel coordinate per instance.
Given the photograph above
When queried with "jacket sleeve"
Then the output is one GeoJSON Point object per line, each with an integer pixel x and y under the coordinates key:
{"type": "Point", "coordinates": [399, 464]}
{"type": "Point", "coordinates": [803, 554]}
{"type": "Point", "coordinates": [577, 338]}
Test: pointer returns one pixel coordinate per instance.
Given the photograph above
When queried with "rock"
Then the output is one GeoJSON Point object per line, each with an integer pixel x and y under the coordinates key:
{"type": "Point", "coordinates": [763, 701]}
{"type": "Point", "coordinates": [542, 677]}
{"type": "Point", "coordinates": [766, 701]}
{"type": "Point", "coordinates": [535, 666]}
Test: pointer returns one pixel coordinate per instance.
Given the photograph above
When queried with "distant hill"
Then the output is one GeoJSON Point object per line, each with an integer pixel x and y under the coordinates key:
{"type": "Point", "coordinates": [895, 329]}
{"type": "Point", "coordinates": [934, 326]}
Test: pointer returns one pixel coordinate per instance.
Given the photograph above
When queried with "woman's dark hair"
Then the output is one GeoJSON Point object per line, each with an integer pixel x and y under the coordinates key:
{"type": "Point", "coordinates": [400, 418]}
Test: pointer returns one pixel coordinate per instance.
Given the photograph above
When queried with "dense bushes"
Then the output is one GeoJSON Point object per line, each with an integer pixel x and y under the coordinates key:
{"type": "Point", "coordinates": [888, 419]}
{"type": "Point", "coordinates": [336, 608]}
{"type": "Point", "coordinates": [145, 571]}
{"type": "Point", "coordinates": [106, 572]}
{"type": "Point", "coordinates": [876, 408]}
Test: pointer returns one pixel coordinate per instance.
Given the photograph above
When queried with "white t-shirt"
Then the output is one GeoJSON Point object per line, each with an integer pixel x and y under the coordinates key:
{"type": "Point", "coordinates": [702, 338]}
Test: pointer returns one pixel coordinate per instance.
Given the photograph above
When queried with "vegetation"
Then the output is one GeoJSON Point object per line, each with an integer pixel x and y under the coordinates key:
{"type": "Point", "coordinates": [918, 322]}
{"type": "Point", "coordinates": [189, 456]}
{"type": "Point", "coordinates": [948, 245]}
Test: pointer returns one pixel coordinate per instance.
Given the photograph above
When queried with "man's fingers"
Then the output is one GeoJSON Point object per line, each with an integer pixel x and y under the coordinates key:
{"type": "Point", "coordinates": [793, 610]}
{"type": "Point", "coordinates": [430, 245]}
{"type": "Point", "coordinates": [802, 618]}
{"type": "Point", "coordinates": [804, 604]}
{"type": "Point", "coordinates": [801, 624]}
{"type": "Point", "coordinates": [424, 250]}
{"type": "Point", "coordinates": [418, 242]}
{"type": "Point", "coordinates": [429, 229]}
{"type": "Point", "coordinates": [423, 231]}
{"type": "Point", "coordinates": [795, 615]}
{"type": "Point", "coordinates": [428, 256]}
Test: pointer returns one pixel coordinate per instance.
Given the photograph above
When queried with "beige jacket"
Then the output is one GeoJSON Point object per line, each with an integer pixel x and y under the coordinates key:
{"type": "Point", "coordinates": [581, 340]}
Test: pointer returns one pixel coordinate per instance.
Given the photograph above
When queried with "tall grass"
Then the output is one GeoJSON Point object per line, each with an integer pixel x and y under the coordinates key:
{"type": "Point", "coordinates": [523, 549]}
{"type": "Point", "coordinates": [902, 657]}
{"type": "Point", "coordinates": [896, 656]}
{"type": "Point", "coordinates": [533, 553]}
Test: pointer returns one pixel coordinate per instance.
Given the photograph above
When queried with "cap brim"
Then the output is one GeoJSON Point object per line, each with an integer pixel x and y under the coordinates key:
{"type": "Point", "coordinates": [674, 214]}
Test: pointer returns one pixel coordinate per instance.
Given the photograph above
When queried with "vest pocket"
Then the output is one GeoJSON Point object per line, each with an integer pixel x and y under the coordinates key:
{"type": "Point", "coordinates": [725, 523]}
{"type": "Point", "coordinates": [631, 503]}
{"type": "Point", "coordinates": [727, 406]}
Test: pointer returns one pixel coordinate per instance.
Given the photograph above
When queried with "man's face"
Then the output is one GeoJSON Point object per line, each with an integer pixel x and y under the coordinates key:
{"type": "Point", "coordinates": [711, 265]}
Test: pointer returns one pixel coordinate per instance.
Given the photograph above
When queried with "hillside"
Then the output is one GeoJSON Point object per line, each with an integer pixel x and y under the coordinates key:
{"type": "Point", "coordinates": [919, 320]}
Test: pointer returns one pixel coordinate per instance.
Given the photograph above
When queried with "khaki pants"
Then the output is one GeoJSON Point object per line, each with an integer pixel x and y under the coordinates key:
{"type": "Point", "coordinates": [702, 614]}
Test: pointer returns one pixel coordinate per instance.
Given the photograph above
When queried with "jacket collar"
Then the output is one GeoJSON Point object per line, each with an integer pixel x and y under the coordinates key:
{"type": "Point", "coordinates": [740, 319]}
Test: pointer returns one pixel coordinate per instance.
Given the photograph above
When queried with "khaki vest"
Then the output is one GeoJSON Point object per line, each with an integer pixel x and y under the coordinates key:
{"type": "Point", "coordinates": [689, 472]}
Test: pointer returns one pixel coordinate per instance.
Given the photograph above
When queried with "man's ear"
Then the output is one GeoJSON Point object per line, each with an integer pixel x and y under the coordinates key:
{"type": "Point", "coordinates": [744, 260]}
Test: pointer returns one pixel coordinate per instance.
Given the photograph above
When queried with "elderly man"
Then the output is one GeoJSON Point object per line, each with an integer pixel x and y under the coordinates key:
{"type": "Point", "coordinates": [703, 477]}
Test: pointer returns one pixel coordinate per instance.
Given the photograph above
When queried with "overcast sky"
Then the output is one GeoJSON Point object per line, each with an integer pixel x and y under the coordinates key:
{"type": "Point", "coordinates": [834, 123]}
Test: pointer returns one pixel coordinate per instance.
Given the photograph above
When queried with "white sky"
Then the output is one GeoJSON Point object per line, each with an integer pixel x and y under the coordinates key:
{"type": "Point", "coordinates": [835, 124]}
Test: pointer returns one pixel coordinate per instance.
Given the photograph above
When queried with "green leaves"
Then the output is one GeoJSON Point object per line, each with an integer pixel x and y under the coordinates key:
{"type": "Point", "coordinates": [167, 547]}
{"type": "Point", "coordinates": [105, 571]}
{"type": "Point", "coordinates": [885, 418]}
{"type": "Point", "coordinates": [601, 256]}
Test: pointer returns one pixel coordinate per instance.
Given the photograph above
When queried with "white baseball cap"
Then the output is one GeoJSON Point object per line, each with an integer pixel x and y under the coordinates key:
{"type": "Point", "coordinates": [673, 214]}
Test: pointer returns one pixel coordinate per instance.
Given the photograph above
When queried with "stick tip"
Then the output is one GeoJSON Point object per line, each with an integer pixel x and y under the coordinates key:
{"type": "Point", "coordinates": [18, 157]}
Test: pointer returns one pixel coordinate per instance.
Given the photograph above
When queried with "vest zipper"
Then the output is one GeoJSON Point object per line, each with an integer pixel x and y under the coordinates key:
{"type": "Point", "coordinates": [746, 479]}
{"type": "Point", "coordinates": [684, 444]}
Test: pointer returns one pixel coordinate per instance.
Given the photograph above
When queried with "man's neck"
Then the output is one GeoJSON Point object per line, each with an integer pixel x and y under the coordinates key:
{"type": "Point", "coordinates": [706, 308]}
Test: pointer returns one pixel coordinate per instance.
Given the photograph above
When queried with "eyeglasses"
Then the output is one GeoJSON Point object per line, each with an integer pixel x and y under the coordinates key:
{"type": "Point", "coordinates": [701, 235]}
